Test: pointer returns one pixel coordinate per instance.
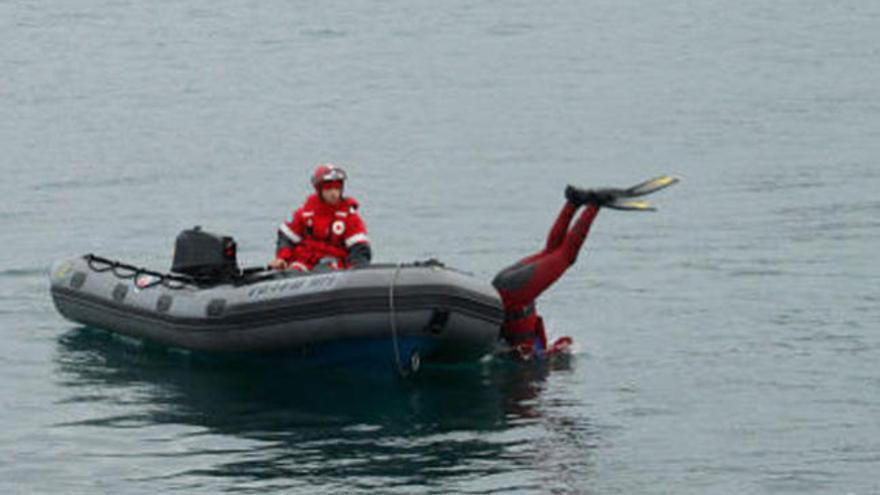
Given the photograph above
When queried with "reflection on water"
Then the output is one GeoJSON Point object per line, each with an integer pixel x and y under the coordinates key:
{"type": "Point", "coordinates": [461, 424]}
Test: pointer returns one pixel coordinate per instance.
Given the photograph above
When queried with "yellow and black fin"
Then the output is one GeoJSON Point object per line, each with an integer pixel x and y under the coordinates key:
{"type": "Point", "coordinates": [630, 205]}
{"type": "Point", "coordinates": [650, 186]}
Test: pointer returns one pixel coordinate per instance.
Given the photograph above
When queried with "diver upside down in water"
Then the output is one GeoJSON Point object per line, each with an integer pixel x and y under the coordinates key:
{"type": "Point", "coordinates": [521, 283]}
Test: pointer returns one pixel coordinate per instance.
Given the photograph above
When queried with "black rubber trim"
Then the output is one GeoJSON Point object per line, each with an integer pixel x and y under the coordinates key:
{"type": "Point", "coordinates": [438, 321]}
{"type": "Point", "coordinates": [77, 280]}
{"type": "Point", "coordinates": [163, 304]}
{"type": "Point", "coordinates": [119, 292]}
{"type": "Point", "coordinates": [215, 308]}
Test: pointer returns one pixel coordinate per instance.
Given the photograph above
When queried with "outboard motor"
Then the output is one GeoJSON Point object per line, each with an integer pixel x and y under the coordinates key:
{"type": "Point", "coordinates": [207, 257]}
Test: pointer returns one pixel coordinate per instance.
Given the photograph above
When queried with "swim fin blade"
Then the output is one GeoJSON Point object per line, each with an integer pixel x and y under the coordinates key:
{"type": "Point", "coordinates": [623, 197]}
{"type": "Point", "coordinates": [630, 205]}
{"type": "Point", "coordinates": [650, 186]}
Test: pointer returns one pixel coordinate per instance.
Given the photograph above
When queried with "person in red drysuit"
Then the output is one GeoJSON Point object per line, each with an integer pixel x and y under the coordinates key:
{"type": "Point", "coordinates": [327, 231]}
{"type": "Point", "coordinates": [521, 283]}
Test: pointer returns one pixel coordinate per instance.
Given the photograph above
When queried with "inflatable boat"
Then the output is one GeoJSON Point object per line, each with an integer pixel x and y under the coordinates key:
{"type": "Point", "coordinates": [400, 314]}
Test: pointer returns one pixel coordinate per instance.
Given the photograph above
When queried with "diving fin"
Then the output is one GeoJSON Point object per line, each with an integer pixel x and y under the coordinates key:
{"type": "Point", "coordinates": [623, 197]}
{"type": "Point", "coordinates": [630, 205]}
{"type": "Point", "coordinates": [649, 187]}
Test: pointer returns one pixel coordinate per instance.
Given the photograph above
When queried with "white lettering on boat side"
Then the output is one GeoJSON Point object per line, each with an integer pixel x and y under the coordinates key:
{"type": "Point", "coordinates": [313, 283]}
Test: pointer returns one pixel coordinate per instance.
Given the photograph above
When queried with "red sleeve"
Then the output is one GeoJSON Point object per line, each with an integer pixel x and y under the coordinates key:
{"type": "Point", "coordinates": [356, 230]}
{"type": "Point", "coordinates": [289, 235]}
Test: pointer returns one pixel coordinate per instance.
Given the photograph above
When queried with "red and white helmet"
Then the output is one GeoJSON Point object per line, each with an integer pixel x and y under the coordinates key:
{"type": "Point", "coordinates": [327, 172]}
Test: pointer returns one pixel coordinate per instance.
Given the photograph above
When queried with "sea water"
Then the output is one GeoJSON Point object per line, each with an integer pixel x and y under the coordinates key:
{"type": "Point", "coordinates": [726, 344]}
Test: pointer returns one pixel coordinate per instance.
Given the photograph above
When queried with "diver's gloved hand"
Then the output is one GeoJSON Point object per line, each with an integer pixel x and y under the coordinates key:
{"type": "Point", "coordinates": [360, 255]}
{"type": "Point", "coordinates": [597, 197]}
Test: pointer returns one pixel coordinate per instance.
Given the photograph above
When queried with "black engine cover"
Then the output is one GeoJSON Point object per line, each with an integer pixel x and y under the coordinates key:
{"type": "Point", "coordinates": [205, 256]}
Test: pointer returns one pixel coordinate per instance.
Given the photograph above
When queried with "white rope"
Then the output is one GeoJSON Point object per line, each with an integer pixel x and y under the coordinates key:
{"type": "Point", "coordinates": [392, 316]}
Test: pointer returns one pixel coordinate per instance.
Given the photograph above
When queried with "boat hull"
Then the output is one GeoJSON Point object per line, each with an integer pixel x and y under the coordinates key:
{"type": "Point", "coordinates": [439, 313]}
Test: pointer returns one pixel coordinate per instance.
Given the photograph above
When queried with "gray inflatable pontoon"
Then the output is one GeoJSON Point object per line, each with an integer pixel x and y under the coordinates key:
{"type": "Point", "coordinates": [408, 313]}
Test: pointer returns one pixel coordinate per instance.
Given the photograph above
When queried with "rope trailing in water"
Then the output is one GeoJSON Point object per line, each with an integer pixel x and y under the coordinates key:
{"type": "Point", "coordinates": [392, 316]}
